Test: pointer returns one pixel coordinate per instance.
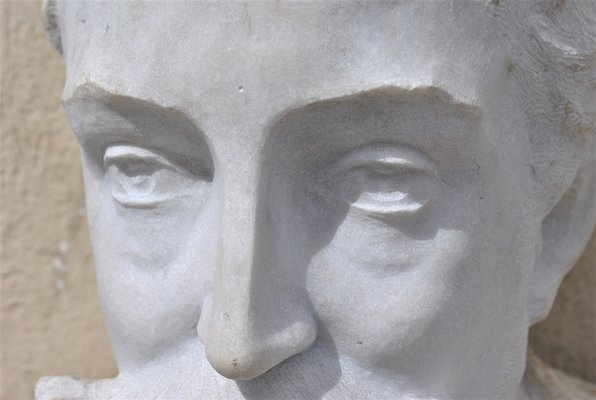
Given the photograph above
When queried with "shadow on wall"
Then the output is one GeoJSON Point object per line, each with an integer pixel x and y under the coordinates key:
{"type": "Point", "coordinates": [566, 339]}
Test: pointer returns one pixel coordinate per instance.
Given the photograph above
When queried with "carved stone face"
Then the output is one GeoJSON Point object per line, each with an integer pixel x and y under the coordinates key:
{"type": "Point", "coordinates": [337, 199]}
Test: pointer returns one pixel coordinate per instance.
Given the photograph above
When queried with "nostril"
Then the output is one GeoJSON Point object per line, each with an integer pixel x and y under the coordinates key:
{"type": "Point", "coordinates": [241, 358]}
{"type": "Point", "coordinates": [204, 318]}
{"type": "Point", "coordinates": [237, 367]}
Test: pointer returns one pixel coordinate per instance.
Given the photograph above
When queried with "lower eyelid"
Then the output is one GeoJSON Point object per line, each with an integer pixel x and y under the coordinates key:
{"type": "Point", "coordinates": [409, 192]}
{"type": "Point", "coordinates": [389, 206]}
{"type": "Point", "coordinates": [143, 202]}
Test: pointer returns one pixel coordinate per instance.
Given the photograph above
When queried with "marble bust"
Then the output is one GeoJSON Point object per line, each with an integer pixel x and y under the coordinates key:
{"type": "Point", "coordinates": [328, 200]}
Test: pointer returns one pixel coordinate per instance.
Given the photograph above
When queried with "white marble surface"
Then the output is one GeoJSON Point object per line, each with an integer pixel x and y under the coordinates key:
{"type": "Point", "coordinates": [328, 200]}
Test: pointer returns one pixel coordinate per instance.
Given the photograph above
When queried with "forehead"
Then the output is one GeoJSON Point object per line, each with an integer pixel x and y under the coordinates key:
{"type": "Point", "coordinates": [263, 57]}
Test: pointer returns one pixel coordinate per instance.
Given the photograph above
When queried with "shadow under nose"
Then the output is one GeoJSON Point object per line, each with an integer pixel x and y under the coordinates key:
{"type": "Point", "coordinates": [308, 375]}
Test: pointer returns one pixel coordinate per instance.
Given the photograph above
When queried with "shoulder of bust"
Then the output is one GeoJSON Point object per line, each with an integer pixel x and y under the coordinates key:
{"type": "Point", "coordinates": [546, 383]}
{"type": "Point", "coordinates": [61, 387]}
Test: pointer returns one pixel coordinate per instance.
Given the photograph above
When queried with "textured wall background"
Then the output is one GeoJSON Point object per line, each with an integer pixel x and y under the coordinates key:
{"type": "Point", "coordinates": [50, 318]}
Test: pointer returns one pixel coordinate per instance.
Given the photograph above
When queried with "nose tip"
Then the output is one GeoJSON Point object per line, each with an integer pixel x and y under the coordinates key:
{"type": "Point", "coordinates": [240, 357]}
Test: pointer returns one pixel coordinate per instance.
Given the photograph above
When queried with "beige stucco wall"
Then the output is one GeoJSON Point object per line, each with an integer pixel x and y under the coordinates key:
{"type": "Point", "coordinates": [50, 318]}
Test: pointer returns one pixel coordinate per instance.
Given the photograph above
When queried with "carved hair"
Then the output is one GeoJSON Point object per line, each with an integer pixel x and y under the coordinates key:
{"type": "Point", "coordinates": [555, 67]}
{"type": "Point", "coordinates": [49, 16]}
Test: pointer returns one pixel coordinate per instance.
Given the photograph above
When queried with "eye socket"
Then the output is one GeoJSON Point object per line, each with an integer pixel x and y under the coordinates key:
{"type": "Point", "coordinates": [140, 178]}
{"type": "Point", "coordinates": [381, 180]}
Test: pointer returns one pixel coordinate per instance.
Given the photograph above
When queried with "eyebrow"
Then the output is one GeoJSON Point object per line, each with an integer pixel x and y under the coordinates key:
{"type": "Point", "coordinates": [418, 117]}
{"type": "Point", "coordinates": [100, 119]}
{"type": "Point", "coordinates": [392, 93]}
{"type": "Point", "coordinates": [152, 119]}
{"type": "Point", "coordinates": [95, 95]}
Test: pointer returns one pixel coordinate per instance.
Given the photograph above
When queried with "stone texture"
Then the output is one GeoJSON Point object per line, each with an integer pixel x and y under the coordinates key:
{"type": "Point", "coordinates": [50, 316]}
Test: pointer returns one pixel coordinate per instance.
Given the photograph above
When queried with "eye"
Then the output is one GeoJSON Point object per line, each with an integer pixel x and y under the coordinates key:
{"type": "Point", "coordinates": [141, 178]}
{"type": "Point", "coordinates": [381, 180]}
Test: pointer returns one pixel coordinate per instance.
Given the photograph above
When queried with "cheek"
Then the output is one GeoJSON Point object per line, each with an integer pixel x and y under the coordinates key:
{"type": "Point", "coordinates": [151, 264]}
{"type": "Point", "coordinates": [378, 286]}
{"type": "Point", "coordinates": [382, 287]}
{"type": "Point", "coordinates": [151, 240]}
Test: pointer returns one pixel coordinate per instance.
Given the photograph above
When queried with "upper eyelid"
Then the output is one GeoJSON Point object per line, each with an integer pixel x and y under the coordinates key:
{"type": "Point", "coordinates": [125, 151]}
{"type": "Point", "coordinates": [387, 155]}
{"type": "Point", "coordinates": [119, 152]}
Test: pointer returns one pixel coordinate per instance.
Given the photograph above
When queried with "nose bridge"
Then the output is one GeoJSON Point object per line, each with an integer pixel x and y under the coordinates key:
{"type": "Point", "coordinates": [239, 233]}
{"type": "Point", "coordinates": [250, 329]}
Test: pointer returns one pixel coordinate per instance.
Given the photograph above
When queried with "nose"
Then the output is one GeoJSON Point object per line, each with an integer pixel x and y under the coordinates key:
{"type": "Point", "coordinates": [258, 315]}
